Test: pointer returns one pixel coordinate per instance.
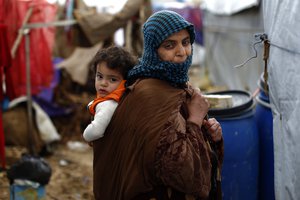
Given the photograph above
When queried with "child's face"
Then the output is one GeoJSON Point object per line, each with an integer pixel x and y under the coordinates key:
{"type": "Point", "coordinates": [175, 48]}
{"type": "Point", "coordinates": [106, 80]}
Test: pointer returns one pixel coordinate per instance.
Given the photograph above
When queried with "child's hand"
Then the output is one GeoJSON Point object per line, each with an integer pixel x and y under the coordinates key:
{"type": "Point", "coordinates": [90, 144]}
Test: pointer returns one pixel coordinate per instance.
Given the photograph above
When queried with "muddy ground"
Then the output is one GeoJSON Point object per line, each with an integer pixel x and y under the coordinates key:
{"type": "Point", "coordinates": [71, 177]}
{"type": "Point", "coordinates": [70, 158]}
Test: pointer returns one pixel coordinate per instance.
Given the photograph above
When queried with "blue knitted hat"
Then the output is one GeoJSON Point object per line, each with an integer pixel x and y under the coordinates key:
{"type": "Point", "coordinates": [156, 29]}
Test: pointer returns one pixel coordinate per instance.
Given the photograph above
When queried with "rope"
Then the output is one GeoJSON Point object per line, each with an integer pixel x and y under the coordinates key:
{"type": "Point", "coordinates": [268, 105]}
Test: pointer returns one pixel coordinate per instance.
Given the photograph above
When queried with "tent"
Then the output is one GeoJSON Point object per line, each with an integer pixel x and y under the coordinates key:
{"type": "Point", "coordinates": [281, 24]}
{"type": "Point", "coordinates": [228, 40]}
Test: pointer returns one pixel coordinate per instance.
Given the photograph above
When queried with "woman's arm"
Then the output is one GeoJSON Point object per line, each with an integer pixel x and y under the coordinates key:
{"type": "Point", "coordinates": [183, 156]}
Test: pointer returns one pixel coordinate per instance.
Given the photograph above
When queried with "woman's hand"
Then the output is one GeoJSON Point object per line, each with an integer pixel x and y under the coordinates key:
{"type": "Point", "coordinates": [213, 128]}
{"type": "Point", "coordinates": [197, 108]}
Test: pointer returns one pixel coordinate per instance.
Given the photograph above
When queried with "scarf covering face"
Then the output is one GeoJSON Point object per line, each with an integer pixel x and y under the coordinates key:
{"type": "Point", "coordinates": [156, 29]}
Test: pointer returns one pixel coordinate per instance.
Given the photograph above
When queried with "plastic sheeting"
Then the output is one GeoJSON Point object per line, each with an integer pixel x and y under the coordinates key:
{"type": "Point", "coordinates": [228, 41]}
{"type": "Point", "coordinates": [78, 64]}
{"type": "Point", "coordinates": [101, 26]}
{"type": "Point", "coordinates": [281, 19]}
{"type": "Point", "coordinates": [44, 124]}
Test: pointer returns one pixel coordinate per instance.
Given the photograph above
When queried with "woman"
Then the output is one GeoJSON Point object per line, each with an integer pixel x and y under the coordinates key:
{"type": "Point", "coordinates": [157, 145]}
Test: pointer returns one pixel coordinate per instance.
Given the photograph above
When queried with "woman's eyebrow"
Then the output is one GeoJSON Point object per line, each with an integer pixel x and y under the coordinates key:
{"type": "Point", "coordinates": [168, 40]}
{"type": "Point", "coordinates": [188, 37]}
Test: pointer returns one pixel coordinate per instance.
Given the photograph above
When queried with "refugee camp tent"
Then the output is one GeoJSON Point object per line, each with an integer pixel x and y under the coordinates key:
{"type": "Point", "coordinates": [229, 30]}
{"type": "Point", "coordinates": [281, 23]}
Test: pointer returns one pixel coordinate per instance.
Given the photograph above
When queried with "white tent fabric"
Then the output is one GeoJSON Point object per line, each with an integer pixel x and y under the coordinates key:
{"type": "Point", "coordinates": [228, 7]}
{"type": "Point", "coordinates": [44, 124]}
{"type": "Point", "coordinates": [281, 23]}
{"type": "Point", "coordinates": [228, 42]}
{"type": "Point", "coordinates": [77, 64]}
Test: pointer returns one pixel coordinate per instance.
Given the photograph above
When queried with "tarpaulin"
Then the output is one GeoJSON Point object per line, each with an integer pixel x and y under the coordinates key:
{"type": "Point", "coordinates": [5, 61]}
{"type": "Point", "coordinates": [5, 58]}
{"type": "Point", "coordinates": [229, 42]}
{"type": "Point", "coordinates": [281, 23]}
{"type": "Point", "coordinates": [41, 43]}
{"type": "Point", "coordinates": [101, 26]}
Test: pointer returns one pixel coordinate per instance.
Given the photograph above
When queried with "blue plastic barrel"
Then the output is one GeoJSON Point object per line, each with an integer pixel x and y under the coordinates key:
{"type": "Point", "coordinates": [264, 120]}
{"type": "Point", "coordinates": [240, 172]}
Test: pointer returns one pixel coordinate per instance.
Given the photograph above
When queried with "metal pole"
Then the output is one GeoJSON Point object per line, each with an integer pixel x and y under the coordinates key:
{"type": "Point", "coordinates": [32, 149]}
{"type": "Point", "coordinates": [25, 29]}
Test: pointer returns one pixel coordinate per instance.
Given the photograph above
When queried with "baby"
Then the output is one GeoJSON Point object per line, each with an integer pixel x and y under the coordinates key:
{"type": "Point", "coordinates": [111, 66]}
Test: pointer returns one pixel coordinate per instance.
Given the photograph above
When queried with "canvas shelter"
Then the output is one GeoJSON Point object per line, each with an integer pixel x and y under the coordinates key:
{"type": "Point", "coordinates": [228, 39]}
{"type": "Point", "coordinates": [281, 24]}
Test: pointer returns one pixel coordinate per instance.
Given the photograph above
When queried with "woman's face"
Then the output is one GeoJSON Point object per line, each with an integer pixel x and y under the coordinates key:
{"type": "Point", "coordinates": [175, 48]}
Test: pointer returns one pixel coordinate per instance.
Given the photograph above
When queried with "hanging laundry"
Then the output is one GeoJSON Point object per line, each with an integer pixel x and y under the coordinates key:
{"type": "Point", "coordinates": [41, 42]}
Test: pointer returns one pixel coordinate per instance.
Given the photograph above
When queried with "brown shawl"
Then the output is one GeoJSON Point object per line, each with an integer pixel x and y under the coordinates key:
{"type": "Point", "coordinates": [149, 149]}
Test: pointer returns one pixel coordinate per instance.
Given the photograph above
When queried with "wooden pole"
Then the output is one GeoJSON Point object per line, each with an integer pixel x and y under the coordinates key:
{"type": "Point", "coordinates": [32, 149]}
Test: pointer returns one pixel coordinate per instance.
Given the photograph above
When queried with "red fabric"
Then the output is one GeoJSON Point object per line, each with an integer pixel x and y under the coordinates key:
{"type": "Point", "coordinates": [3, 7]}
{"type": "Point", "coordinates": [41, 43]}
{"type": "Point", "coordinates": [5, 58]}
{"type": "Point", "coordinates": [5, 61]}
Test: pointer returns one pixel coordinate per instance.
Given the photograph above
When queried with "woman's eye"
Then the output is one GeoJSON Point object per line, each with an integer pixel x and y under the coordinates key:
{"type": "Point", "coordinates": [168, 45]}
{"type": "Point", "coordinates": [186, 42]}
